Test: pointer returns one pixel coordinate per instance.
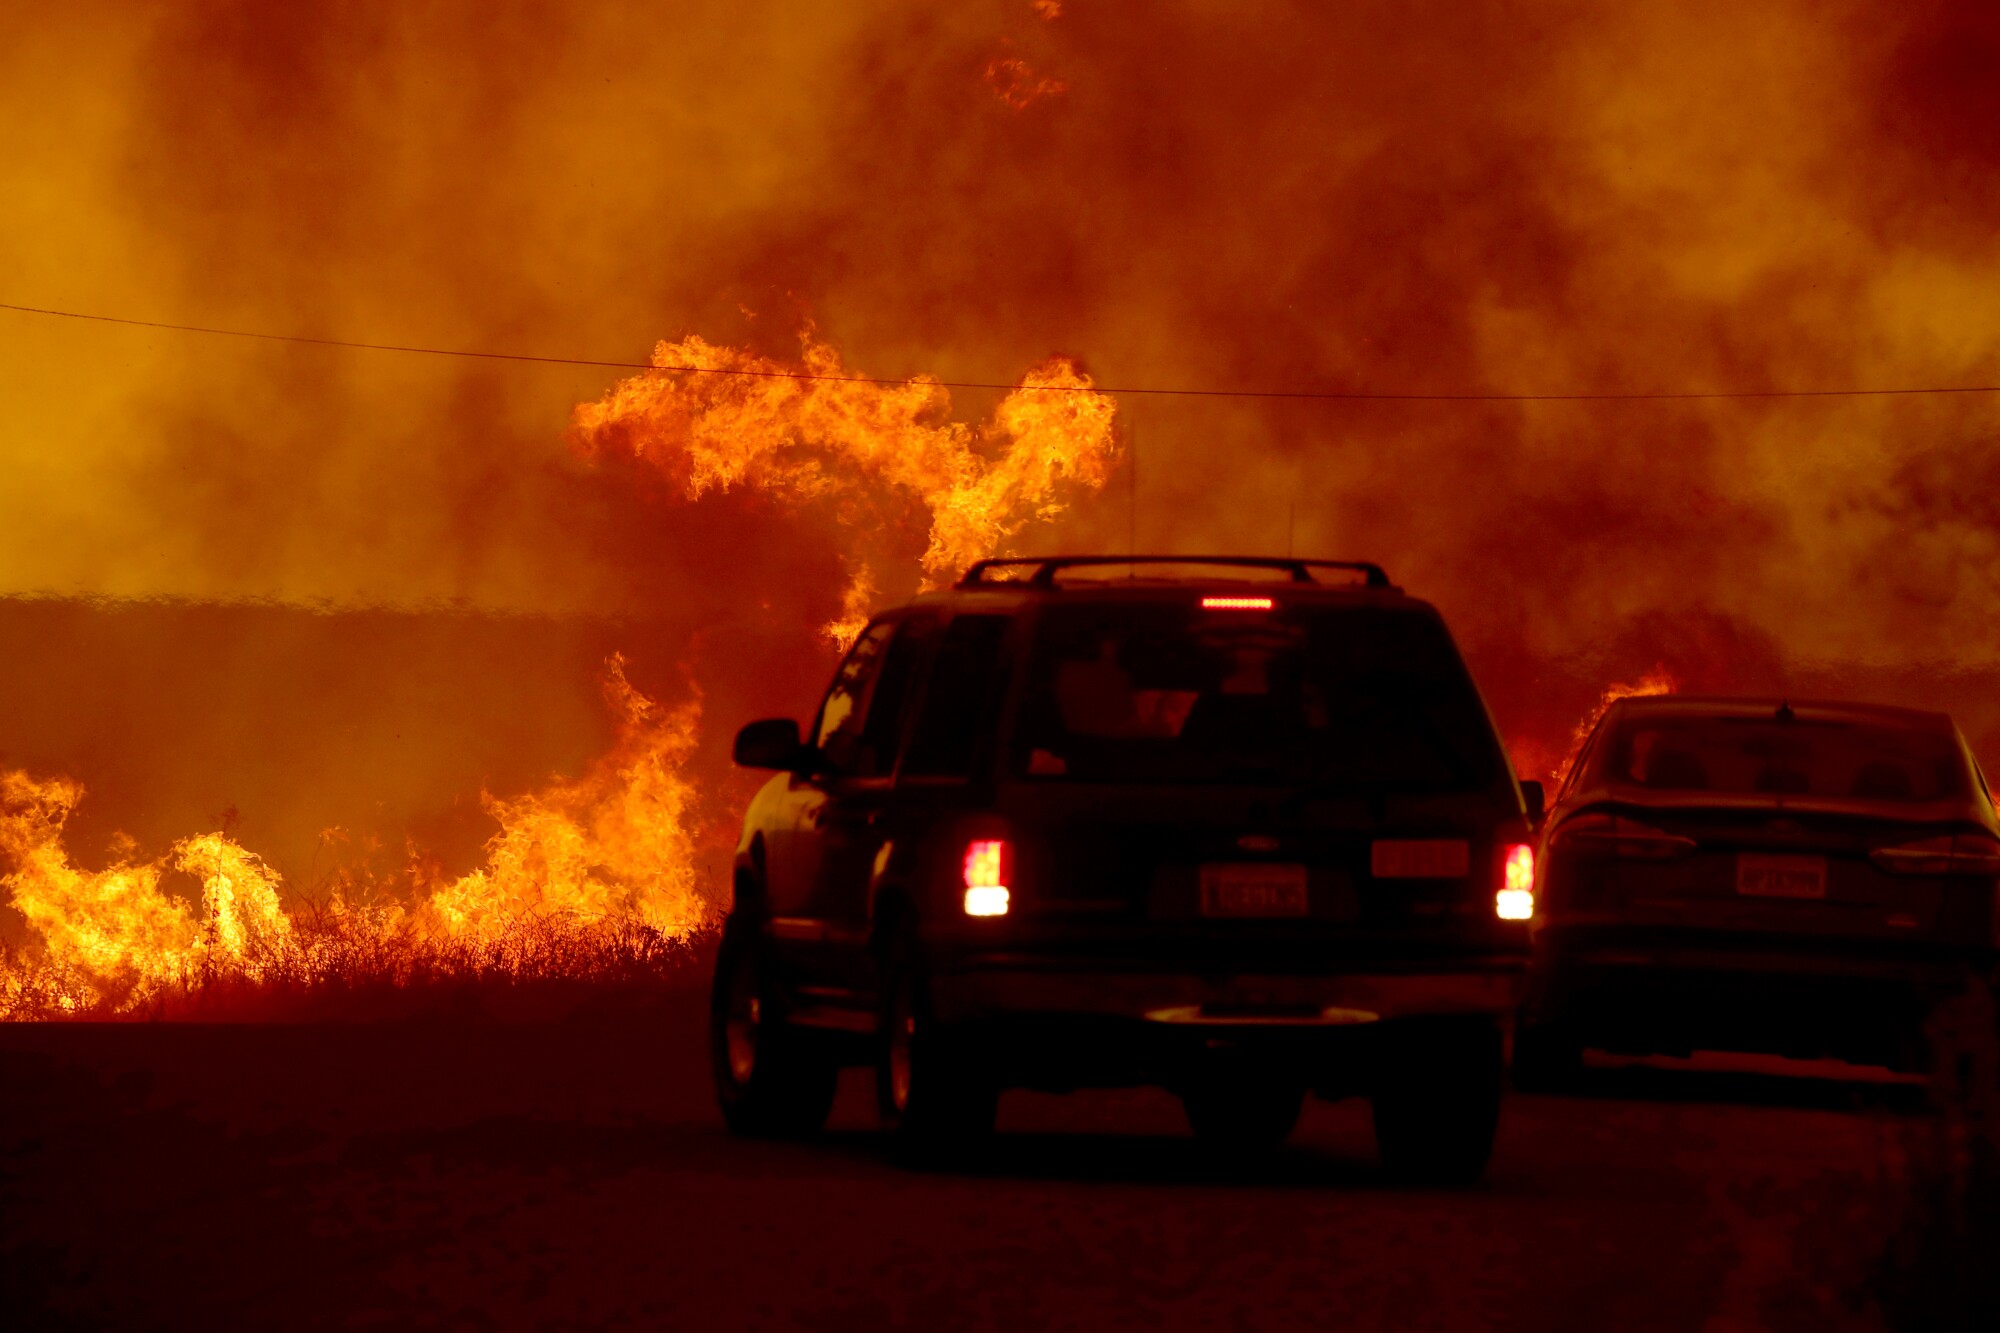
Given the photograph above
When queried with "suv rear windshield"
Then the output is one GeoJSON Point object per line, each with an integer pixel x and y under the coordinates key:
{"type": "Point", "coordinates": [1335, 697]}
{"type": "Point", "coordinates": [1750, 755]}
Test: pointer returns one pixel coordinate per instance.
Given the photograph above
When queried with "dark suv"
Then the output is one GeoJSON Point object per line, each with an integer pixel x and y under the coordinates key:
{"type": "Point", "coordinates": [1756, 875]}
{"type": "Point", "coordinates": [1100, 821]}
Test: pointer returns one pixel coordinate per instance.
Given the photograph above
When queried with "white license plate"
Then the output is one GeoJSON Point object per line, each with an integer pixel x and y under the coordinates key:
{"type": "Point", "coordinates": [1260, 889]}
{"type": "Point", "coordinates": [1419, 858]}
{"type": "Point", "coordinates": [1761, 876]}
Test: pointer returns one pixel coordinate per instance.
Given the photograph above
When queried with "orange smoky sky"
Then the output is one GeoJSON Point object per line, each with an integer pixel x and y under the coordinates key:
{"type": "Point", "coordinates": [1455, 198]}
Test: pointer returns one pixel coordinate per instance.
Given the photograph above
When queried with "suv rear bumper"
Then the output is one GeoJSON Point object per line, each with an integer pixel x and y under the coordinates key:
{"type": "Point", "coordinates": [1001, 987]}
{"type": "Point", "coordinates": [1069, 1026]}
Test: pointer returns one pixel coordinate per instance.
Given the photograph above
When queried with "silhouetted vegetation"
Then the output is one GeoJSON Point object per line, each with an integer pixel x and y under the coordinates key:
{"type": "Point", "coordinates": [338, 963]}
{"type": "Point", "coordinates": [1942, 1271]}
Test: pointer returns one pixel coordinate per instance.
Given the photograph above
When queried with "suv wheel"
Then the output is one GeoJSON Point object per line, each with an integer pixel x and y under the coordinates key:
{"type": "Point", "coordinates": [1547, 1058]}
{"type": "Point", "coordinates": [1436, 1101]}
{"type": "Point", "coordinates": [1241, 1113]}
{"type": "Point", "coordinates": [770, 1079]}
{"type": "Point", "coordinates": [933, 1097]}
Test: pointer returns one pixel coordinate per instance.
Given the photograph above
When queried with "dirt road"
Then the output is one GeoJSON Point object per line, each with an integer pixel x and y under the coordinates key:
{"type": "Point", "coordinates": [467, 1174]}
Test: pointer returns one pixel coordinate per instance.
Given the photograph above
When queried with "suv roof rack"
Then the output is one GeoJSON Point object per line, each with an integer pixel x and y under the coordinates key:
{"type": "Point", "coordinates": [1046, 567]}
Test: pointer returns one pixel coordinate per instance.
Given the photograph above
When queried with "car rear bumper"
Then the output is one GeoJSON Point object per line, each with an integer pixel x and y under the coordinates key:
{"type": "Point", "coordinates": [1814, 999]}
{"type": "Point", "coordinates": [1615, 949]}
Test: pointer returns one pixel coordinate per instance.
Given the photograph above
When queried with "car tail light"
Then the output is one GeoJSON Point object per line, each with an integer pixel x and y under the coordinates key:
{"type": "Point", "coordinates": [1237, 603]}
{"type": "Point", "coordinates": [1624, 838]}
{"type": "Point", "coordinates": [1952, 854]}
{"type": "Point", "coordinates": [1515, 899]}
{"type": "Point", "coordinates": [988, 867]}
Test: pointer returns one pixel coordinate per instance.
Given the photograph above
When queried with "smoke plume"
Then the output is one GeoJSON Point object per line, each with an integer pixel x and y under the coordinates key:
{"type": "Point", "coordinates": [1448, 199]}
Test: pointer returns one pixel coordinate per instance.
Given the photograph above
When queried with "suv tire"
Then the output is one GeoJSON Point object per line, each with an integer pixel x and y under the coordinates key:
{"type": "Point", "coordinates": [934, 1099]}
{"type": "Point", "coordinates": [771, 1080]}
{"type": "Point", "coordinates": [1436, 1101]}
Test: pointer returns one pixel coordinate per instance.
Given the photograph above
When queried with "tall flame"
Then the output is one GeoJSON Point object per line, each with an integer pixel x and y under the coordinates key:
{"type": "Point", "coordinates": [619, 841]}
{"type": "Point", "coordinates": [813, 431]}
{"type": "Point", "coordinates": [112, 928]}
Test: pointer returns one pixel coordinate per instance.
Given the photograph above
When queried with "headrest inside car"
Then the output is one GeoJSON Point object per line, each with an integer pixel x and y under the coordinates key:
{"type": "Point", "coordinates": [1783, 781]}
{"type": "Point", "coordinates": [1677, 770]}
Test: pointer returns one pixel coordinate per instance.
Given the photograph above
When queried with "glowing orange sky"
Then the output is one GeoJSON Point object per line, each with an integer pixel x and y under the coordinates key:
{"type": "Point", "coordinates": [1454, 196]}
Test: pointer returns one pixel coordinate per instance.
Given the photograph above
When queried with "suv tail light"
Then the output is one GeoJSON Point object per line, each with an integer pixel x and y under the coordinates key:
{"type": "Point", "coordinates": [1952, 854]}
{"type": "Point", "coordinates": [989, 864]}
{"type": "Point", "coordinates": [1624, 838]}
{"type": "Point", "coordinates": [1515, 899]}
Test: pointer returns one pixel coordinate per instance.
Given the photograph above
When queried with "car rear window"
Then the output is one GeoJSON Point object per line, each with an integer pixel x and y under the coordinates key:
{"type": "Point", "coordinates": [1335, 697]}
{"type": "Point", "coordinates": [1752, 755]}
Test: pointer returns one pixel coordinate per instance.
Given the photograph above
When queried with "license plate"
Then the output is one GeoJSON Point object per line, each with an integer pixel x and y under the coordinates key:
{"type": "Point", "coordinates": [1419, 858]}
{"type": "Point", "coordinates": [1781, 876]}
{"type": "Point", "coordinates": [1253, 890]}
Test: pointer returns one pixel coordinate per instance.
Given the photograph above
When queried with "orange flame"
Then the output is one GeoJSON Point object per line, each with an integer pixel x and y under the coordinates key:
{"type": "Point", "coordinates": [243, 916]}
{"type": "Point", "coordinates": [1657, 681]}
{"type": "Point", "coordinates": [619, 841]}
{"type": "Point", "coordinates": [814, 431]}
{"type": "Point", "coordinates": [113, 927]}
{"type": "Point", "coordinates": [1016, 84]}
{"type": "Point", "coordinates": [602, 853]}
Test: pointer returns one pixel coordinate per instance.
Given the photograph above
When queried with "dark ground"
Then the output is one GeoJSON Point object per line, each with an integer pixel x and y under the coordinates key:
{"type": "Point", "coordinates": [469, 1174]}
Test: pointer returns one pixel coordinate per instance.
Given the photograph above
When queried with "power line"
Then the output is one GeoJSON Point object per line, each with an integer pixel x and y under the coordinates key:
{"type": "Point", "coordinates": [1329, 395]}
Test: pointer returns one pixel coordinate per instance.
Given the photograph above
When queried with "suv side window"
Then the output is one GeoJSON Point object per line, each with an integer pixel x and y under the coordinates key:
{"type": "Point", "coordinates": [964, 685]}
{"type": "Point", "coordinates": [883, 728]}
{"type": "Point", "coordinates": [838, 732]}
{"type": "Point", "coordinates": [861, 720]}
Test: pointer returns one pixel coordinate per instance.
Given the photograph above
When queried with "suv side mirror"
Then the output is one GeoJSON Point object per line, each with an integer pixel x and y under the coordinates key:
{"type": "Point", "coordinates": [771, 743]}
{"type": "Point", "coordinates": [1531, 792]}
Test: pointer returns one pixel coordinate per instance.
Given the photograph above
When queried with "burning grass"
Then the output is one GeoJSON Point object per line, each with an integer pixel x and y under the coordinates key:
{"type": "Point", "coordinates": [591, 880]}
{"type": "Point", "coordinates": [332, 965]}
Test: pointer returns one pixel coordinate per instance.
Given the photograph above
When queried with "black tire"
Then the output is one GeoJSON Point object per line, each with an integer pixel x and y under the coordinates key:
{"type": "Point", "coordinates": [1436, 1100]}
{"type": "Point", "coordinates": [1241, 1113]}
{"type": "Point", "coordinates": [771, 1080]}
{"type": "Point", "coordinates": [935, 1100]}
{"type": "Point", "coordinates": [1547, 1058]}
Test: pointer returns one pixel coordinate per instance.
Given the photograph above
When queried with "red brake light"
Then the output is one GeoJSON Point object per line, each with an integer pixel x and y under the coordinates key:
{"type": "Point", "coordinates": [1237, 603]}
{"type": "Point", "coordinates": [1952, 854]}
{"type": "Point", "coordinates": [988, 867]}
{"type": "Point", "coordinates": [1515, 900]}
